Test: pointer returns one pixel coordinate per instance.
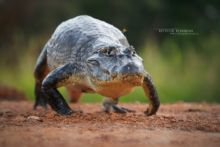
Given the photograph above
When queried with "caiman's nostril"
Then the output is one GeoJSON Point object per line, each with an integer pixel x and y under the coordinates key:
{"type": "Point", "coordinates": [129, 68]}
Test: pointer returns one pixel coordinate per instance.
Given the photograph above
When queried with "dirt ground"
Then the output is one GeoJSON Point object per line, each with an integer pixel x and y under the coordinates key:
{"type": "Point", "coordinates": [180, 124]}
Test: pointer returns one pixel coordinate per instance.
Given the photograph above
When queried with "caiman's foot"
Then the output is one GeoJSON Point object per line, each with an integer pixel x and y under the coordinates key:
{"type": "Point", "coordinates": [119, 109]}
{"type": "Point", "coordinates": [57, 102]}
{"type": "Point", "coordinates": [110, 104]}
{"type": "Point", "coordinates": [68, 111]}
{"type": "Point", "coordinates": [64, 111]}
{"type": "Point", "coordinates": [152, 109]}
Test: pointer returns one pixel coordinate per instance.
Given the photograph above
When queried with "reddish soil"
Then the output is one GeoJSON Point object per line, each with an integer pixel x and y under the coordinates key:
{"type": "Point", "coordinates": [180, 124]}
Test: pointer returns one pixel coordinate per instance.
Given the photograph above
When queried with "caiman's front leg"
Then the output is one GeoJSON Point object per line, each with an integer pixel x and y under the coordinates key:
{"type": "Point", "coordinates": [57, 78]}
{"type": "Point", "coordinates": [151, 93]}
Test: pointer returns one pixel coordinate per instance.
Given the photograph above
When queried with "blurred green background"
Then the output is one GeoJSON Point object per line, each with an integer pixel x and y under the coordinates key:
{"type": "Point", "coordinates": [178, 40]}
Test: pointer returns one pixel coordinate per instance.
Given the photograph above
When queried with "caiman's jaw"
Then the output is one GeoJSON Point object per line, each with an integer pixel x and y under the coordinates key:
{"type": "Point", "coordinates": [131, 79]}
{"type": "Point", "coordinates": [131, 73]}
{"type": "Point", "coordinates": [119, 85]}
{"type": "Point", "coordinates": [127, 79]}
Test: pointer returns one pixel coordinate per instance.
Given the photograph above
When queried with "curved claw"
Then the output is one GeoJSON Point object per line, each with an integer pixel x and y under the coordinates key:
{"type": "Point", "coordinates": [128, 110]}
{"type": "Point", "coordinates": [68, 111]}
{"type": "Point", "coordinates": [64, 111]}
{"type": "Point", "coordinates": [110, 104]}
{"type": "Point", "coordinates": [118, 109]}
{"type": "Point", "coordinates": [152, 110]}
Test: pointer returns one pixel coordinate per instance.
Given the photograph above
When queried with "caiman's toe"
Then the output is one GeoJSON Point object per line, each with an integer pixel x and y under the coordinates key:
{"type": "Point", "coordinates": [64, 111]}
{"type": "Point", "coordinates": [118, 109]}
{"type": "Point", "coordinates": [67, 111]}
{"type": "Point", "coordinates": [149, 112]}
{"type": "Point", "coordinates": [152, 110]}
{"type": "Point", "coordinates": [128, 110]}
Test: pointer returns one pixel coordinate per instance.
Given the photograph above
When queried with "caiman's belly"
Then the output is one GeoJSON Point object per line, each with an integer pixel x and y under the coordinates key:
{"type": "Point", "coordinates": [114, 90]}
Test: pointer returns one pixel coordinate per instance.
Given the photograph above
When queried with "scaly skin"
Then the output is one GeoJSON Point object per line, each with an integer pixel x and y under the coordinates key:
{"type": "Point", "coordinates": [90, 55]}
{"type": "Point", "coordinates": [76, 39]}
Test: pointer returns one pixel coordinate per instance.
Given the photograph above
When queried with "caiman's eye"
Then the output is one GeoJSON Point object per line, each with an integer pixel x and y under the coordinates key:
{"type": "Point", "coordinates": [130, 50]}
{"type": "Point", "coordinates": [103, 50]}
{"type": "Point", "coordinates": [133, 52]}
{"type": "Point", "coordinates": [109, 51]}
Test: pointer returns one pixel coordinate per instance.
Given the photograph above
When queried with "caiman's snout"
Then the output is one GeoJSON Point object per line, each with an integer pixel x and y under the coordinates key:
{"type": "Point", "coordinates": [130, 68]}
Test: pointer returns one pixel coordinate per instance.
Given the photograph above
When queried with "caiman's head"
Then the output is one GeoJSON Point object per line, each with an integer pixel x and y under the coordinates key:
{"type": "Point", "coordinates": [114, 67]}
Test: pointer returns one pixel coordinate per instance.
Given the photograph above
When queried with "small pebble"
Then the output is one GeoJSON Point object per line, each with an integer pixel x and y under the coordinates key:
{"type": "Point", "coordinates": [35, 118]}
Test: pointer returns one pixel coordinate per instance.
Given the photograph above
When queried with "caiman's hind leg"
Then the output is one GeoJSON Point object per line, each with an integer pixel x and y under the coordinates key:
{"type": "Point", "coordinates": [110, 104]}
{"type": "Point", "coordinates": [61, 76]}
{"type": "Point", "coordinates": [151, 93]}
{"type": "Point", "coordinates": [73, 93]}
{"type": "Point", "coordinates": [40, 71]}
